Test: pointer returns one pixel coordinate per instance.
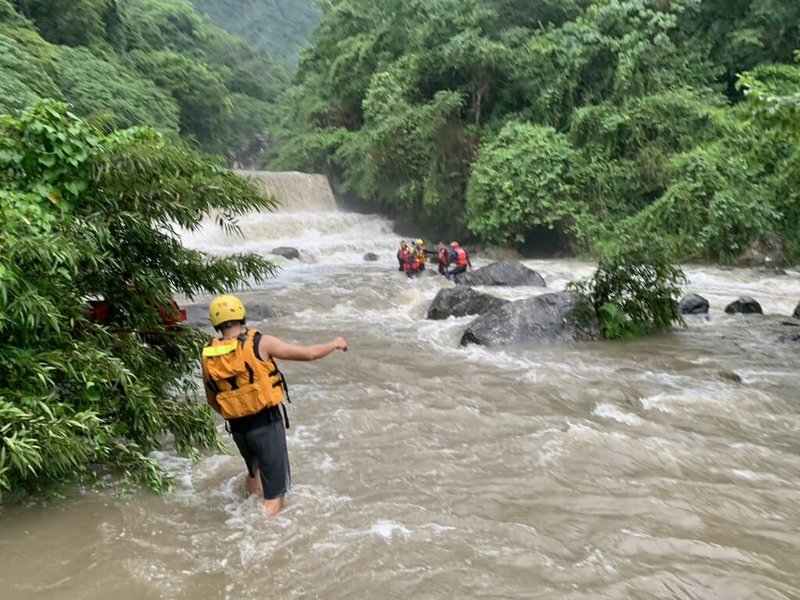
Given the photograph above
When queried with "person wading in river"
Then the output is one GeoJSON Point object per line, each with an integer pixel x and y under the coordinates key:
{"type": "Point", "coordinates": [459, 259]}
{"type": "Point", "coordinates": [244, 385]}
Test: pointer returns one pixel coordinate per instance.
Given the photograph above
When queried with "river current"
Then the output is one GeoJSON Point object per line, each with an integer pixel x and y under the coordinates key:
{"type": "Point", "coordinates": [659, 468]}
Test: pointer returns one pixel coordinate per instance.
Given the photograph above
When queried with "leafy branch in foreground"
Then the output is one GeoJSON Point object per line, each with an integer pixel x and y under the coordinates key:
{"type": "Point", "coordinates": [86, 216]}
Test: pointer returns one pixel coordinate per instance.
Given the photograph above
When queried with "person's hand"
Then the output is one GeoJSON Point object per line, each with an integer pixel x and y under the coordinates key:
{"type": "Point", "coordinates": [340, 344]}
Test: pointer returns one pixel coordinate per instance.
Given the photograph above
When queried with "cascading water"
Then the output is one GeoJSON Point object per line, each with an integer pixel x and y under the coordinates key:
{"type": "Point", "coordinates": [657, 468]}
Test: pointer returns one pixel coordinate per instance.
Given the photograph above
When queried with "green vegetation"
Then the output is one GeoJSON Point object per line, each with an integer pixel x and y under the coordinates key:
{"type": "Point", "coordinates": [89, 215]}
{"type": "Point", "coordinates": [635, 290]}
{"type": "Point", "coordinates": [280, 28]}
{"type": "Point", "coordinates": [140, 62]}
{"type": "Point", "coordinates": [601, 120]}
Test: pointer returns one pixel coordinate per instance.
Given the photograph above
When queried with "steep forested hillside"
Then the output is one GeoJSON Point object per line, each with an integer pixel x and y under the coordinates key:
{"type": "Point", "coordinates": [281, 28]}
{"type": "Point", "coordinates": [138, 62]}
{"type": "Point", "coordinates": [578, 121]}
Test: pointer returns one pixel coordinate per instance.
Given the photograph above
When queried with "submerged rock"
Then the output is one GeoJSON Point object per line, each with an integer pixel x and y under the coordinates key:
{"type": "Point", "coordinates": [546, 318]}
{"type": "Point", "coordinates": [370, 257]}
{"type": "Point", "coordinates": [461, 301]}
{"type": "Point", "coordinates": [796, 313]}
{"type": "Point", "coordinates": [502, 273]}
{"type": "Point", "coordinates": [286, 252]}
{"type": "Point", "coordinates": [693, 304]}
{"type": "Point", "coordinates": [744, 305]}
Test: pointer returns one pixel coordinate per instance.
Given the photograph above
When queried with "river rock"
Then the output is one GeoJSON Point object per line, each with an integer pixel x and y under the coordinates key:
{"type": "Point", "coordinates": [370, 257]}
{"type": "Point", "coordinates": [197, 314]}
{"type": "Point", "coordinates": [693, 304]}
{"type": "Point", "coordinates": [461, 301]}
{"type": "Point", "coordinates": [744, 305]}
{"type": "Point", "coordinates": [286, 252]}
{"type": "Point", "coordinates": [502, 273]}
{"type": "Point", "coordinates": [766, 252]}
{"type": "Point", "coordinates": [546, 318]}
{"type": "Point", "coordinates": [796, 313]}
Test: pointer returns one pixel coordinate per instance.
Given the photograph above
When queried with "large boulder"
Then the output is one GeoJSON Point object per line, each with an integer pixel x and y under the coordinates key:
{"type": "Point", "coordinates": [286, 252]}
{"type": "Point", "coordinates": [502, 273]}
{"type": "Point", "coordinates": [766, 252]}
{"type": "Point", "coordinates": [546, 318]}
{"type": "Point", "coordinates": [693, 304]}
{"type": "Point", "coordinates": [744, 305]}
{"type": "Point", "coordinates": [461, 301]}
{"type": "Point", "coordinates": [197, 314]}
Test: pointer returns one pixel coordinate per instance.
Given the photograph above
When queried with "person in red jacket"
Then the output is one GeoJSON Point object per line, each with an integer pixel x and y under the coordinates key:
{"type": "Point", "coordinates": [459, 259]}
{"type": "Point", "coordinates": [402, 256]}
{"type": "Point", "coordinates": [444, 258]}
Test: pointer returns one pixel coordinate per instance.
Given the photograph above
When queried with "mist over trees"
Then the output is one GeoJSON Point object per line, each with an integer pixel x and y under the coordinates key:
{"type": "Point", "coordinates": [597, 120]}
{"type": "Point", "coordinates": [280, 28]}
{"type": "Point", "coordinates": [139, 62]}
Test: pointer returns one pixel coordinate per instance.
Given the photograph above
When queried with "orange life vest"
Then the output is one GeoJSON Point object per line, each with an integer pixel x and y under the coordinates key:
{"type": "Point", "coordinates": [243, 384]}
{"type": "Point", "coordinates": [461, 258]}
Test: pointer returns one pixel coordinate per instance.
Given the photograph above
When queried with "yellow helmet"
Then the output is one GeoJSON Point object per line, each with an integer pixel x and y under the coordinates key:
{"type": "Point", "coordinates": [226, 308]}
{"type": "Point", "coordinates": [420, 243]}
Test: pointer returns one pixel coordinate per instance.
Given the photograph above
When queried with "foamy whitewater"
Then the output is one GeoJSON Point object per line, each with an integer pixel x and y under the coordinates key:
{"type": "Point", "coordinates": [656, 468]}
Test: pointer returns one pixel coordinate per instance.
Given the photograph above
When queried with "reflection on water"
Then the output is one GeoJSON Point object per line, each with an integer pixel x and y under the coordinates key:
{"type": "Point", "coordinates": [658, 468]}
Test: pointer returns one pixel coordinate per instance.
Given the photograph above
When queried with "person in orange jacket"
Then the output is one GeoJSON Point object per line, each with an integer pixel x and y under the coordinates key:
{"type": "Point", "coordinates": [244, 385]}
{"type": "Point", "coordinates": [459, 259]}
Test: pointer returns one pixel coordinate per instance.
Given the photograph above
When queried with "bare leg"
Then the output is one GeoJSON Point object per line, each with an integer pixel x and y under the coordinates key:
{"type": "Point", "coordinates": [274, 506]}
{"type": "Point", "coordinates": [253, 484]}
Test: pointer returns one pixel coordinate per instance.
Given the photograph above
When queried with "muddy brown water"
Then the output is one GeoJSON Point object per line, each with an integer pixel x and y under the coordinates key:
{"type": "Point", "coordinates": [657, 468]}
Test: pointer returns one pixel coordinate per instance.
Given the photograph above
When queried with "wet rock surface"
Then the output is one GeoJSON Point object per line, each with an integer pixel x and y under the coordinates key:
{"type": "Point", "coordinates": [502, 273]}
{"type": "Point", "coordinates": [286, 252]}
{"type": "Point", "coordinates": [744, 305]}
{"type": "Point", "coordinates": [546, 318]}
{"type": "Point", "coordinates": [693, 304]}
{"type": "Point", "coordinates": [461, 301]}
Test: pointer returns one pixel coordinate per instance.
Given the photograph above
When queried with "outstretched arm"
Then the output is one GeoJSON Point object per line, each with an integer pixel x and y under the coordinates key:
{"type": "Point", "coordinates": [277, 348]}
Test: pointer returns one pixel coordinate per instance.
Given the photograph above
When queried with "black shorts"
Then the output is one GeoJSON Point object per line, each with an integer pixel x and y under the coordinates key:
{"type": "Point", "coordinates": [264, 448]}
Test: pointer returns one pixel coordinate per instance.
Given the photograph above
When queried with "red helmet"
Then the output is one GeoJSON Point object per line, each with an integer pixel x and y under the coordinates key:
{"type": "Point", "coordinates": [455, 244]}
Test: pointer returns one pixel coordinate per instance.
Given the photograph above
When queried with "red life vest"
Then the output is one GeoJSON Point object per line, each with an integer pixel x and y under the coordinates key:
{"type": "Point", "coordinates": [461, 258]}
{"type": "Point", "coordinates": [412, 262]}
{"type": "Point", "coordinates": [444, 256]}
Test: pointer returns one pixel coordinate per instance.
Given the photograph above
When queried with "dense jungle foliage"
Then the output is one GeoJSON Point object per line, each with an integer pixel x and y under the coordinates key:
{"type": "Point", "coordinates": [281, 28]}
{"type": "Point", "coordinates": [138, 62]}
{"type": "Point", "coordinates": [577, 120]}
{"type": "Point", "coordinates": [88, 215]}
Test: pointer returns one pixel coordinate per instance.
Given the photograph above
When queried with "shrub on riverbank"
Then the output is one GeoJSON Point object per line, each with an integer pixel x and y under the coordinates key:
{"type": "Point", "coordinates": [87, 215]}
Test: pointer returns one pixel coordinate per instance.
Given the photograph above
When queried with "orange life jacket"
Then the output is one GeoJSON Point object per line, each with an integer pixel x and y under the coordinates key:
{"type": "Point", "coordinates": [461, 258]}
{"type": "Point", "coordinates": [243, 384]}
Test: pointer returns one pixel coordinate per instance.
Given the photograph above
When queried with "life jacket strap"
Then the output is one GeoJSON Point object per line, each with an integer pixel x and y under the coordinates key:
{"type": "Point", "coordinates": [250, 372]}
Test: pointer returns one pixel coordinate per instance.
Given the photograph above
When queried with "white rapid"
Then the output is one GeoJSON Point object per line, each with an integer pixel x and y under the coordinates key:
{"type": "Point", "coordinates": [658, 468]}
